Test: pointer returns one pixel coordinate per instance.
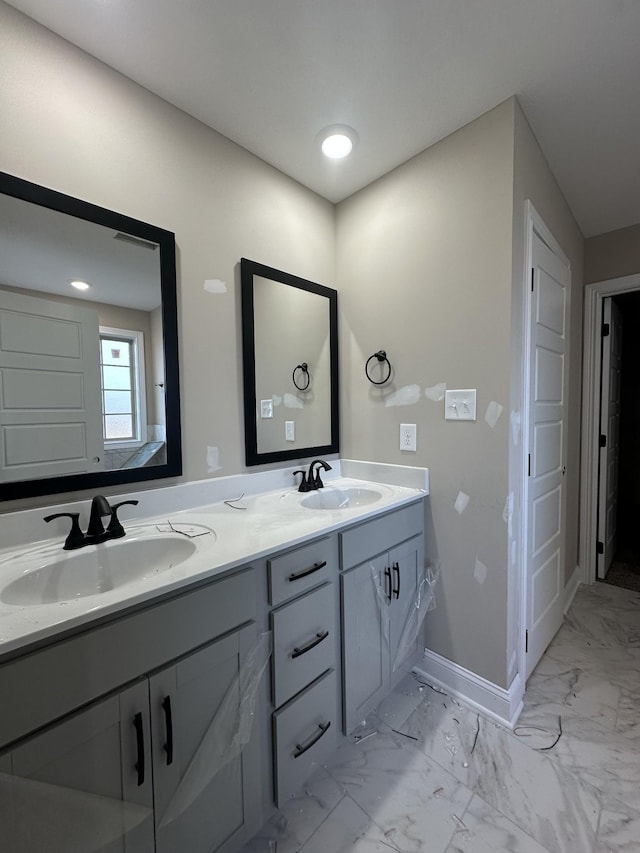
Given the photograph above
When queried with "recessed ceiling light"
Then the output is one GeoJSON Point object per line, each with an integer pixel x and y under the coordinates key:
{"type": "Point", "coordinates": [80, 285]}
{"type": "Point", "coordinates": [337, 141]}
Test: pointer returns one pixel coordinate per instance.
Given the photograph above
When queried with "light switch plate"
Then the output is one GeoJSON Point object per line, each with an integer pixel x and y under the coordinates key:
{"type": "Point", "coordinates": [460, 405]}
{"type": "Point", "coordinates": [289, 430]}
{"type": "Point", "coordinates": [266, 409]}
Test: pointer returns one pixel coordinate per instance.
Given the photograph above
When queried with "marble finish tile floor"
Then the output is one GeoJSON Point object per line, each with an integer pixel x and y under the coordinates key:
{"type": "Point", "coordinates": [427, 773]}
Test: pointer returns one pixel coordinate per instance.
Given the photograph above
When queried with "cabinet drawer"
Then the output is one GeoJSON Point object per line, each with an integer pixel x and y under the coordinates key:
{"type": "Point", "coordinates": [304, 734]}
{"type": "Point", "coordinates": [301, 569]}
{"type": "Point", "coordinates": [304, 642]}
{"type": "Point", "coordinates": [373, 537]}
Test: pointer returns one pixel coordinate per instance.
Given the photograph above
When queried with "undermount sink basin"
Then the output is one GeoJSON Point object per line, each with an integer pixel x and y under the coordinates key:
{"type": "Point", "coordinates": [329, 498]}
{"type": "Point", "coordinates": [68, 575]}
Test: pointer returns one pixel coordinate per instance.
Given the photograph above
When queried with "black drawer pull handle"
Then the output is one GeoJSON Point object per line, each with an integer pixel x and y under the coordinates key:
{"type": "Point", "coordinates": [168, 722]}
{"type": "Point", "coordinates": [396, 571]}
{"type": "Point", "coordinates": [387, 577]}
{"type": "Point", "coordinates": [137, 722]}
{"type": "Point", "coordinates": [303, 574]}
{"type": "Point", "coordinates": [300, 749]}
{"type": "Point", "coordinates": [302, 650]}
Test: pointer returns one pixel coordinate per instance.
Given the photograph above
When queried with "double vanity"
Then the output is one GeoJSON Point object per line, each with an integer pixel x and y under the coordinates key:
{"type": "Point", "coordinates": [164, 690]}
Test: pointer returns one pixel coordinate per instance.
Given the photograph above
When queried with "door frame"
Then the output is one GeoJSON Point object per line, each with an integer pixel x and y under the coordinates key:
{"type": "Point", "coordinates": [534, 224]}
{"type": "Point", "coordinates": [590, 433]}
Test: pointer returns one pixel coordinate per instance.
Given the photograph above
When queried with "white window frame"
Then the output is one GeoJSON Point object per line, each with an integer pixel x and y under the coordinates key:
{"type": "Point", "coordinates": [136, 339]}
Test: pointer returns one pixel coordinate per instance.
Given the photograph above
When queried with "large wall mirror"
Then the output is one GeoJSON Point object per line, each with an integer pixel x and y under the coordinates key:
{"type": "Point", "coordinates": [89, 392]}
{"type": "Point", "coordinates": [290, 356]}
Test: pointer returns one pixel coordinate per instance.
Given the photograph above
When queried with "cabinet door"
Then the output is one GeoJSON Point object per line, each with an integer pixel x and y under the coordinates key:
{"type": "Point", "coordinates": [202, 803]}
{"type": "Point", "coordinates": [406, 563]}
{"type": "Point", "coordinates": [365, 644]}
{"type": "Point", "coordinates": [84, 784]}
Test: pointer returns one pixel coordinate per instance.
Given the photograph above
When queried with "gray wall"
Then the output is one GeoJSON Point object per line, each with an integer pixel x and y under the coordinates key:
{"type": "Point", "coordinates": [73, 124]}
{"type": "Point", "coordinates": [424, 272]}
{"type": "Point", "coordinates": [612, 255]}
{"type": "Point", "coordinates": [430, 269]}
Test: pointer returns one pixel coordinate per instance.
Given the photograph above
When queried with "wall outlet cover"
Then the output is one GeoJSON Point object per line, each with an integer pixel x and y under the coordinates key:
{"type": "Point", "coordinates": [266, 409]}
{"type": "Point", "coordinates": [408, 437]}
{"type": "Point", "coordinates": [289, 430]}
{"type": "Point", "coordinates": [460, 405]}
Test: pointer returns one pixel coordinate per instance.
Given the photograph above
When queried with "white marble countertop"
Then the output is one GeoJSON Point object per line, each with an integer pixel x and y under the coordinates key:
{"type": "Point", "coordinates": [269, 522]}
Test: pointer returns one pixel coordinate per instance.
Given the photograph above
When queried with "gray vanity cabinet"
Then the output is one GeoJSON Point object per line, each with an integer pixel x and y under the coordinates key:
{"type": "Point", "coordinates": [74, 788]}
{"type": "Point", "coordinates": [194, 733]}
{"type": "Point", "coordinates": [378, 591]}
{"type": "Point", "coordinates": [109, 775]}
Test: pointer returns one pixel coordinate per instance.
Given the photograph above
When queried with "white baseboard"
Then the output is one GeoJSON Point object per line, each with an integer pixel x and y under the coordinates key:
{"type": "Point", "coordinates": [572, 587]}
{"type": "Point", "coordinates": [503, 706]}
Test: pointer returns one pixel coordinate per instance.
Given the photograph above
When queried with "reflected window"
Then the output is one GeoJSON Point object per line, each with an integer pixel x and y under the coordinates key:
{"type": "Point", "coordinates": [122, 386]}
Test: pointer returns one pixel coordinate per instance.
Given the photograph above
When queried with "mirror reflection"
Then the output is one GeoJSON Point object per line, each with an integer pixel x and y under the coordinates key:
{"type": "Point", "coordinates": [290, 349]}
{"type": "Point", "coordinates": [82, 347]}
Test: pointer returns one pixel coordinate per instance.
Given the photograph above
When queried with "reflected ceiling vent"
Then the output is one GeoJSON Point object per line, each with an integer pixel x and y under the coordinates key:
{"type": "Point", "coordinates": [135, 241]}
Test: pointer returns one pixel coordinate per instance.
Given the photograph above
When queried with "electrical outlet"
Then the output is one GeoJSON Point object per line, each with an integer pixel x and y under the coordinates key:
{"type": "Point", "coordinates": [289, 430]}
{"type": "Point", "coordinates": [266, 409]}
{"type": "Point", "coordinates": [460, 405]}
{"type": "Point", "coordinates": [408, 436]}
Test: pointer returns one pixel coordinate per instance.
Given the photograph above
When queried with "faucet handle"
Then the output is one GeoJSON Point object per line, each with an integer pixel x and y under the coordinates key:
{"type": "Point", "coordinates": [304, 486]}
{"type": "Point", "coordinates": [75, 539]}
{"type": "Point", "coordinates": [115, 528]}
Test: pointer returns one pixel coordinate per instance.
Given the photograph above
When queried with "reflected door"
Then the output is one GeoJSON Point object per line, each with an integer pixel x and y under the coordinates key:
{"type": "Point", "coordinates": [50, 408]}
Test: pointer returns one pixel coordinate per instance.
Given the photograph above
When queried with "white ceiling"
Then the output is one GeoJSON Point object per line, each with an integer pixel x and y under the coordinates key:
{"type": "Point", "coordinates": [270, 74]}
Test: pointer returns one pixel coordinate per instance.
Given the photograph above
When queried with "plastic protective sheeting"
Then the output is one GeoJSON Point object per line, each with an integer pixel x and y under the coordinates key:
{"type": "Point", "coordinates": [424, 600]}
{"type": "Point", "coordinates": [228, 733]}
{"type": "Point", "coordinates": [42, 818]}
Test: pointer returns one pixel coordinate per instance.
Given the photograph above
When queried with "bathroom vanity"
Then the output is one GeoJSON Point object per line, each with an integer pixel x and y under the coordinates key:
{"type": "Point", "coordinates": [144, 719]}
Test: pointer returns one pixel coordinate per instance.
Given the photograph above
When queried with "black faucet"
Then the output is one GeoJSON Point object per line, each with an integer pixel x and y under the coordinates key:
{"type": "Point", "coordinates": [96, 533]}
{"type": "Point", "coordinates": [315, 481]}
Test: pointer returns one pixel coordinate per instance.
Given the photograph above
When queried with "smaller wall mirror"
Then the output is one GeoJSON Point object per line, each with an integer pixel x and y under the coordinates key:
{"type": "Point", "coordinates": [290, 357]}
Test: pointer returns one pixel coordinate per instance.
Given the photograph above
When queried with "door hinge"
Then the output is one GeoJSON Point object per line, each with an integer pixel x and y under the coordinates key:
{"type": "Point", "coordinates": [529, 466]}
{"type": "Point", "coordinates": [605, 330]}
{"type": "Point", "coordinates": [603, 441]}
{"type": "Point", "coordinates": [526, 642]}
{"type": "Point", "coordinates": [533, 272]}
{"type": "Point", "coordinates": [600, 548]}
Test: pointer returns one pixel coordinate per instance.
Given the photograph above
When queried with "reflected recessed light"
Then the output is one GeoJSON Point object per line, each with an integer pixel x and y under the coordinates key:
{"type": "Point", "coordinates": [337, 141]}
{"type": "Point", "coordinates": [80, 285]}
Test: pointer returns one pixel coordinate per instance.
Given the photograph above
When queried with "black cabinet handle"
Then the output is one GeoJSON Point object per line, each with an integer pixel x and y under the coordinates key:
{"type": "Point", "coordinates": [301, 749]}
{"type": "Point", "coordinates": [387, 577]}
{"type": "Point", "coordinates": [168, 724]}
{"type": "Point", "coordinates": [303, 574]}
{"type": "Point", "coordinates": [137, 722]}
{"type": "Point", "coordinates": [396, 571]}
{"type": "Point", "coordinates": [302, 650]}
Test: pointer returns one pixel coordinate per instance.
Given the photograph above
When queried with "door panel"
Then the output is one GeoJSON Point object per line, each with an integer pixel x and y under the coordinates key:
{"type": "Point", "coordinates": [547, 437]}
{"type": "Point", "coordinates": [216, 801]}
{"type": "Point", "coordinates": [74, 787]}
{"type": "Point", "coordinates": [365, 639]}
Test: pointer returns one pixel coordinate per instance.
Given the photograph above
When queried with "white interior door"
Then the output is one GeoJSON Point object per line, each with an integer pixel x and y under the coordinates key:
{"type": "Point", "coordinates": [547, 438]}
{"type": "Point", "coordinates": [50, 407]}
{"type": "Point", "coordinates": [609, 435]}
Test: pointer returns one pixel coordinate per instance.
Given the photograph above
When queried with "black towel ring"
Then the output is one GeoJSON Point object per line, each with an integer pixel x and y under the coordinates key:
{"type": "Point", "coordinates": [304, 367]}
{"type": "Point", "coordinates": [380, 356]}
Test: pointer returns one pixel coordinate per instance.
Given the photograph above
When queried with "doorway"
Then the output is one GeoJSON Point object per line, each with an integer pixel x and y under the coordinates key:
{"type": "Point", "coordinates": [625, 292]}
{"type": "Point", "coordinates": [618, 560]}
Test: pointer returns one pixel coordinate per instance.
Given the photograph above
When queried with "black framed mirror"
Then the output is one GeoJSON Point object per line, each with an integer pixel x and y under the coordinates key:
{"type": "Point", "coordinates": [290, 361]}
{"type": "Point", "coordinates": [89, 384]}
